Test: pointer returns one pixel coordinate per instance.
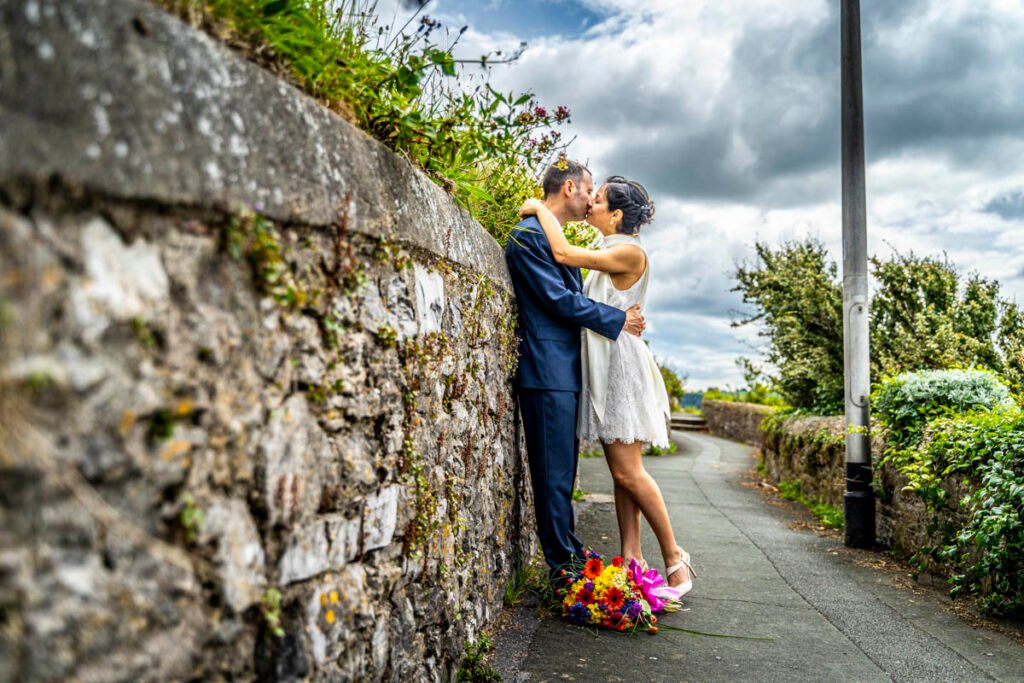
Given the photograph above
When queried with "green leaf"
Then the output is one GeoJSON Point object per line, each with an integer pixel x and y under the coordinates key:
{"type": "Point", "coordinates": [275, 7]}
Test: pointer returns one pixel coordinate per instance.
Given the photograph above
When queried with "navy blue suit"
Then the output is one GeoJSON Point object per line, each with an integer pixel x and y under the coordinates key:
{"type": "Point", "coordinates": [552, 311]}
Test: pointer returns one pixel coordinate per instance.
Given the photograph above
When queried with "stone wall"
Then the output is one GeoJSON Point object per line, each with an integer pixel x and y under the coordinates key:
{"type": "Point", "coordinates": [255, 418]}
{"type": "Point", "coordinates": [812, 451]}
{"type": "Point", "coordinates": [808, 449]}
{"type": "Point", "coordinates": [740, 421]}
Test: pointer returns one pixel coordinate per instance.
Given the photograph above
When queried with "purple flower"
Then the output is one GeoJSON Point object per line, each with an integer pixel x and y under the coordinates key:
{"type": "Point", "coordinates": [579, 614]}
{"type": "Point", "coordinates": [589, 585]}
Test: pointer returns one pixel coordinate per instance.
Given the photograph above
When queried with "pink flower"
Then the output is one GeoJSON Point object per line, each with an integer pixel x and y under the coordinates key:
{"type": "Point", "coordinates": [649, 583]}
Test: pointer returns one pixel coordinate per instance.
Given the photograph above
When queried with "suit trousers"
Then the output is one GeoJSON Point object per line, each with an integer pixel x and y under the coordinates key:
{"type": "Point", "coordinates": [549, 425]}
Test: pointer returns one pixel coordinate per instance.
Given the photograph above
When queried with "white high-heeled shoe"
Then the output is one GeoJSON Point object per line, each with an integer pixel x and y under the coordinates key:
{"type": "Point", "coordinates": [684, 561]}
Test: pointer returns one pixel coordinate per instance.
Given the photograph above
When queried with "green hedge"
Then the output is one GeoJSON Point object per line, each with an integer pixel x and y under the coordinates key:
{"type": "Point", "coordinates": [945, 426]}
{"type": "Point", "coordinates": [987, 450]}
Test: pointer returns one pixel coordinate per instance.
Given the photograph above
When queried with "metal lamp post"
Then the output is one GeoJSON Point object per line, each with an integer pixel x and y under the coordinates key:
{"type": "Point", "coordinates": [859, 499]}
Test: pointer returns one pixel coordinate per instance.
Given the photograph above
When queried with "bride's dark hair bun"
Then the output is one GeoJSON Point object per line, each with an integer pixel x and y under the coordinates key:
{"type": "Point", "coordinates": [632, 199]}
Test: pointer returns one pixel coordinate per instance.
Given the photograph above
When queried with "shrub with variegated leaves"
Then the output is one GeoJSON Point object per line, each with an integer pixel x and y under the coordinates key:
{"type": "Point", "coordinates": [905, 403]}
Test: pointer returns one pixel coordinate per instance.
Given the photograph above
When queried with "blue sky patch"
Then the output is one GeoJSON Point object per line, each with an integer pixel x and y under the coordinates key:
{"type": "Point", "coordinates": [523, 18]}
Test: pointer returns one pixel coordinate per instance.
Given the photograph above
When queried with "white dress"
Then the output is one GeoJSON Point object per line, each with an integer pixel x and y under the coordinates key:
{"type": "Point", "coordinates": [635, 403]}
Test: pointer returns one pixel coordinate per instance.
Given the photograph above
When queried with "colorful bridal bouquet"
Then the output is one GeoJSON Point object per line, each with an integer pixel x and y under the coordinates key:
{"type": "Point", "coordinates": [614, 596]}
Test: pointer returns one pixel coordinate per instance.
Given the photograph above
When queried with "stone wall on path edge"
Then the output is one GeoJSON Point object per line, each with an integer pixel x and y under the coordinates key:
{"type": "Point", "coordinates": [811, 450]}
{"type": "Point", "coordinates": [255, 416]}
{"type": "Point", "coordinates": [740, 421]}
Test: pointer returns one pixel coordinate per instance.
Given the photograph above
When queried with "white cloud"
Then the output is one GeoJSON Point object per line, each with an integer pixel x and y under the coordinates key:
{"type": "Point", "coordinates": [728, 110]}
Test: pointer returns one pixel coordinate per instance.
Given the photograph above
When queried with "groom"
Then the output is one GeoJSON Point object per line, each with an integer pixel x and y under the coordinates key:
{"type": "Point", "coordinates": [552, 309]}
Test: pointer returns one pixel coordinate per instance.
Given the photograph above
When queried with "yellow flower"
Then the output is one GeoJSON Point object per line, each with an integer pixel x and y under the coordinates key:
{"type": "Point", "coordinates": [334, 597]}
{"type": "Point", "coordinates": [329, 616]}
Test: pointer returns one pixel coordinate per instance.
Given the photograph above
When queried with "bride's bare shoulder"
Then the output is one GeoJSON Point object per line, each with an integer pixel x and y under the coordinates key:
{"type": "Point", "coordinates": [630, 253]}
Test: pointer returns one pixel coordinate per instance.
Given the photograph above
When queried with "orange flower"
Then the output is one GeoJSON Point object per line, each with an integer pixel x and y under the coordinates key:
{"type": "Point", "coordinates": [585, 596]}
{"type": "Point", "coordinates": [614, 598]}
{"type": "Point", "coordinates": [593, 568]}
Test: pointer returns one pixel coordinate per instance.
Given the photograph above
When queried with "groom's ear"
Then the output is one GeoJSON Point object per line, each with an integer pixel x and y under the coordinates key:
{"type": "Point", "coordinates": [569, 188]}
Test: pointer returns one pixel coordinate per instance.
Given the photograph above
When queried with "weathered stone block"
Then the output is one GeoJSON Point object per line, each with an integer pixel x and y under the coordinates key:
{"type": "Point", "coordinates": [429, 299]}
{"type": "Point", "coordinates": [240, 557]}
{"type": "Point", "coordinates": [293, 449]}
{"type": "Point", "coordinates": [121, 284]}
{"type": "Point", "coordinates": [733, 420]}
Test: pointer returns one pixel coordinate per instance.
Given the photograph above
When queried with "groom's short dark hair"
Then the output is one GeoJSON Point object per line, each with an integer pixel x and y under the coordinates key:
{"type": "Point", "coordinates": [560, 171]}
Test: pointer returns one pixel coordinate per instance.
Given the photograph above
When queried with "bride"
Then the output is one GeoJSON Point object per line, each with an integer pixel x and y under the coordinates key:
{"type": "Point", "coordinates": [623, 402]}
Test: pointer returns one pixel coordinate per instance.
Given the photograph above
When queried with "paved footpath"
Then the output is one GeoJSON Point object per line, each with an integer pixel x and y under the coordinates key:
{"type": "Point", "coordinates": [828, 614]}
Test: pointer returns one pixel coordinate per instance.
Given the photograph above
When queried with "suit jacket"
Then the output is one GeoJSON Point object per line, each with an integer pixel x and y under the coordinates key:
{"type": "Point", "coordinates": [552, 309]}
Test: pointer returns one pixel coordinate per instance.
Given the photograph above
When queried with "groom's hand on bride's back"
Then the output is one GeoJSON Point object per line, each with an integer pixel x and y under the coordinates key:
{"type": "Point", "coordinates": [635, 322]}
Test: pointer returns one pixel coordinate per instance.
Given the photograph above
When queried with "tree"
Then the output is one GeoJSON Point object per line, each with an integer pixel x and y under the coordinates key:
{"type": "Point", "coordinates": [1011, 344]}
{"type": "Point", "coordinates": [799, 311]}
{"type": "Point", "coordinates": [922, 317]}
{"type": "Point", "coordinates": [673, 385]}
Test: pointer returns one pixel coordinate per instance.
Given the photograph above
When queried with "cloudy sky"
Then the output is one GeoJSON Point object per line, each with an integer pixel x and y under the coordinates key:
{"type": "Point", "coordinates": [728, 111]}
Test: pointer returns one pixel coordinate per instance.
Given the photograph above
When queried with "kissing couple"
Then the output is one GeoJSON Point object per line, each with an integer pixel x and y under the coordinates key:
{"type": "Point", "coordinates": [584, 373]}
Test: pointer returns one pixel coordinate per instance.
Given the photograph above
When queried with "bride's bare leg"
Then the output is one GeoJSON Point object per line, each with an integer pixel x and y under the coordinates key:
{"type": "Point", "coordinates": [628, 515]}
{"type": "Point", "coordinates": [626, 464]}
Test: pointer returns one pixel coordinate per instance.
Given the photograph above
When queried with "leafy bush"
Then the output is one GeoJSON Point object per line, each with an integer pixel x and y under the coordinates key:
{"type": "Point", "coordinates": [673, 385]}
{"type": "Point", "coordinates": [923, 317]}
{"type": "Point", "coordinates": [958, 438]}
{"type": "Point", "coordinates": [759, 394]}
{"type": "Point", "coordinates": [404, 88]}
{"type": "Point", "coordinates": [594, 450]}
{"type": "Point", "coordinates": [474, 667]}
{"type": "Point", "coordinates": [905, 403]}
{"type": "Point", "coordinates": [986, 449]}
{"type": "Point", "coordinates": [655, 450]}
{"type": "Point", "coordinates": [799, 310]}
{"type": "Point", "coordinates": [996, 532]}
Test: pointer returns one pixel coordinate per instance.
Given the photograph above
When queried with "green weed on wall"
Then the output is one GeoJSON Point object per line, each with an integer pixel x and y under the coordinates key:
{"type": "Point", "coordinates": [964, 427]}
{"type": "Point", "coordinates": [404, 86]}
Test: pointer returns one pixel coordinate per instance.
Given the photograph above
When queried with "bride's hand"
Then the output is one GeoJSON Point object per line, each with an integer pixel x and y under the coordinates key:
{"type": "Point", "coordinates": [531, 207]}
